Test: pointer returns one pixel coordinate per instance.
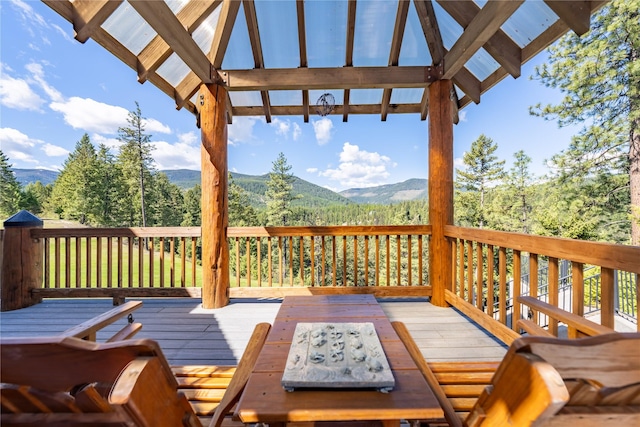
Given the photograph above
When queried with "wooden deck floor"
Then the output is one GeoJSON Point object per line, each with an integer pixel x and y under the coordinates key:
{"type": "Point", "coordinates": [189, 334]}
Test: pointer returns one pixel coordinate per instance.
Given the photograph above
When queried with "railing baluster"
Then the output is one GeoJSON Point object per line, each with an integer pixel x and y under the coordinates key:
{"type": "Point", "coordinates": [533, 284]}
{"type": "Point", "coordinates": [270, 263]}
{"type": "Point", "coordinates": [259, 246]}
{"type": "Point", "coordinates": [355, 260]}
{"type": "Point", "coordinates": [409, 256]}
{"type": "Point", "coordinates": [172, 248]}
{"type": "Point", "coordinates": [377, 260]}
{"type": "Point", "coordinates": [366, 260]}
{"type": "Point", "coordinates": [323, 258]}
{"type": "Point", "coordinates": [280, 271]}
{"type": "Point", "coordinates": [490, 280]}
{"type": "Point", "coordinates": [502, 297]}
{"type": "Point", "coordinates": [130, 263]}
{"type": "Point", "coordinates": [479, 275]}
{"type": "Point", "coordinates": [183, 258]}
{"type": "Point", "coordinates": [151, 266]}
{"type": "Point", "coordinates": [333, 264]}
{"type": "Point", "coordinates": [67, 260]}
{"type": "Point", "coordinates": [162, 262]}
{"type": "Point", "coordinates": [193, 261]}
{"type": "Point", "coordinates": [99, 241]}
{"type": "Point", "coordinates": [237, 262]}
{"type": "Point", "coordinates": [553, 292]}
{"type": "Point", "coordinates": [140, 262]}
{"type": "Point", "coordinates": [344, 260]}
{"type": "Point", "coordinates": [87, 250]}
{"type": "Point", "coordinates": [398, 261]}
{"type": "Point", "coordinates": [301, 262]}
{"type": "Point", "coordinates": [248, 258]}
{"type": "Point", "coordinates": [454, 265]}
{"type": "Point", "coordinates": [420, 281]}
{"type": "Point", "coordinates": [607, 314]}
{"type": "Point", "coordinates": [58, 271]}
{"type": "Point", "coordinates": [462, 269]}
{"type": "Point", "coordinates": [470, 271]}
{"type": "Point", "coordinates": [290, 260]}
{"type": "Point", "coordinates": [388, 259]}
{"type": "Point", "coordinates": [577, 278]}
{"type": "Point", "coordinates": [517, 279]}
{"type": "Point", "coordinates": [313, 257]}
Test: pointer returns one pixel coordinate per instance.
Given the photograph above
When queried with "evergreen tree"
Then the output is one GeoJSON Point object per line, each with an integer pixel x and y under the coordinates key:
{"type": "Point", "coordinates": [168, 201]}
{"type": "Point", "coordinates": [241, 213]}
{"type": "Point", "coordinates": [280, 192]}
{"type": "Point", "coordinates": [136, 163]}
{"type": "Point", "coordinates": [483, 169]}
{"type": "Point", "coordinates": [514, 205]}
{"type": "Point", "coordinates": [111, 189]}
{"type": "Point", "coordinates": [192, 212]}
{"type": "Point", "coordinates": [9, 188]}
{"type": "Point", "coordinates": [599, 74]}
{"type": "Point", "coordinates": [74, 194]}
{"type": "Point", "coordinates": [35, 197]}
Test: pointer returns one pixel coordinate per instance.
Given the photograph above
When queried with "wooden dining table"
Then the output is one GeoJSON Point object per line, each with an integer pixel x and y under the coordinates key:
{"type": "Point", "coordinates": [264, 400]}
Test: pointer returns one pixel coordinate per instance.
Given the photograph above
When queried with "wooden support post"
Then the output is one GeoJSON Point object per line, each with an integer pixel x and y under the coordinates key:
{"type": "Point", "coordinates": [215, 216]}
{"type": "Point", "coordinates": [440, 187]}
{"type": "Point", "coordinates": [21, 262]}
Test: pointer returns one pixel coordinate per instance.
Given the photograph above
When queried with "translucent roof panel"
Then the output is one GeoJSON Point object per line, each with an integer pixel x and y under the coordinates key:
{"type": "Point", "coordinates": [278, 33]}
{"type": "Point", "coordinates": [482, 65]}
{"type": "Point", "coordinates": [285, 97]}
{"type": "Point", "coordinates": [127, 26]}
{"type": "Point", "coordinates": [173, 70]}
{"type": "Point", "coordinates": [450, 30]}
{"type": "Point", "coordinates": [406, 96]}
{"type": "Point", "coordinates": [414, 50]}
{"type": "Point", "coordinates": [245, 99]}
{"type": "Point", "coordinates": [365, 96]}
{"type": "Point", "coordinates": [238, 55]}
{"type": "Point", "coordinates": [530, 20]}
{"type": "Point", "coordinates": [326, 25]}
{"type": "Point", "coordinates": [373, 32]}
{"type": "Point", "coordinates": [314, 95]}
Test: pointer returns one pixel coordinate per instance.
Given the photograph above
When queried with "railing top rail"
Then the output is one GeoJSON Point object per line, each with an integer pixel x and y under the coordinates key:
{"type": "Point", "coordinates": [608, 255]}
{"type": "Point", "coordinates": [117, 232]}
{"type": "Point", "coordinates": [367, 230]}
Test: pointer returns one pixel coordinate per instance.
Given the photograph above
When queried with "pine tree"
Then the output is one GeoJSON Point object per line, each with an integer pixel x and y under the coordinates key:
{"type": "Point", "coordinates": [9, 188]}
{"type": "Point", "coordinates": [192, 211]}
{"type": "Point", "coordinates": [74, 194]}
{"type": "Point", "coordinates": [136, 163]}
{"type": "Point", "coordinates": [519, 191]}
{"type": "Point", "coordinates": [599, 74]}
{"type": "Point", "coordinates": [483, 170]}
{"type": "Point", "coordinates": [241, 213]}
{"type": "Point", "coordinates": [280, 192]}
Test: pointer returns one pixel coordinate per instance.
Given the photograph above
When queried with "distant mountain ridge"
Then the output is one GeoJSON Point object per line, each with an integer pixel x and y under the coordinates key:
{"type": "Point", "coordinates": [256, 186]}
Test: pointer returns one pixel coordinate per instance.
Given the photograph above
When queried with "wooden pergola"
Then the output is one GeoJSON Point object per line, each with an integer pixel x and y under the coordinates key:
{"type": "Point", "coordinates": [454, 52]}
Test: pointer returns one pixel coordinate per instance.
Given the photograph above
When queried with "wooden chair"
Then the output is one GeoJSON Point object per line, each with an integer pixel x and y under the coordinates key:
{"type": "Point", "coordinates": [68, 381]}
{"type": "Point", "coordinates": [89, 330]}
{"type": "Point", "coordinates": [541, 380]}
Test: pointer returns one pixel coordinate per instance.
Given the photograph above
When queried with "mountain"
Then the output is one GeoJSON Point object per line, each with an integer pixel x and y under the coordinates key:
{"type": "Point", "coordinates": [411, 189]}
{"type": "Point", "coordinates": [256, 186]}
{"type": "Point", "coordinates": [27, 176]}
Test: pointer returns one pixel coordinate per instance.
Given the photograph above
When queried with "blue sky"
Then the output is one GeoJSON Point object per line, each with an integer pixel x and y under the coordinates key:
{"type": "Point", "coordinates": [54, 89]}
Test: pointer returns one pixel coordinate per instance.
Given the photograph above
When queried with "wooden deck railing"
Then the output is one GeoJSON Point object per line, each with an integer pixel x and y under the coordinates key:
{"type": "Point", "coordinates": [391, 259]}
{"type": "Point", "coordinates": [265, 261]}
{"type": "Point", "coordinates": [484, 261]}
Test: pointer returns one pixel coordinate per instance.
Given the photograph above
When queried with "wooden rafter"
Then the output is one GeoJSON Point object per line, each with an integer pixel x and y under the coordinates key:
{"type": "Point", "coordinates": [89, 16]}
{"type": "Point", "coordinates": [296, 110]}
{"type": "Point", "coordinates": [64, 8]}
{"type": "Point", "coordinates": [302, 43]}
{"type": "Point", "coordinates": [348, 61]}
{"type": "Point", "coordinates": [431, 30]}
{"type": "Point", "coordinates": [220, 41]}
{"type": "Point", "coordinates": [483, 26]}
{"type": "Point", "coordinates": [322, 78]}
{"type": "Point", "coordinates": [166, 24]}
{"type": "Point", "coordinates": [256, 48]}
{"type": "Point", "coordinates": [500, 46]}
{"type": "Point", "coordinates": [424, 104]}
{"type": "Point", "coordinates": [158, 50]}
{"type": "Point", "coordinates": [394, 55]}
{"type": "Point", "coordinates": [576, 13]}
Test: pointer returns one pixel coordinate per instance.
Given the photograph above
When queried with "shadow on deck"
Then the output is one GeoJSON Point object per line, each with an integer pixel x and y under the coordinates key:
{"type": "Point", "coordinates": [189, 334]}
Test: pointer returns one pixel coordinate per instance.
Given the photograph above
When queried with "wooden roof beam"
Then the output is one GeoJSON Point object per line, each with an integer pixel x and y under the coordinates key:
{"type": "Point", "coordinates": [500, 46]}
{"type": "Point", "coordinates": [220, 41]}
{"type": "Point", "coordinates": [348, 61]}
{"type": "Point", "coordinates": [326, 78]}
{"type": "Point", "coordinates": [158, 51]}
{"type": "Point", "coordinates": [88, 16]}
{"type": "Point", "coordinates": [429, 23]}
{"type": "Point", "coordinates": [256, 47]}
{"type": "Point", "coordinates": [296, 110]}
{"type": "Point", "coordinates": [483, 26]}
{"type": "Point", "coordinates": [166, 24]}
{"type": "Point", "coordinates": [394, 54]}
{"type": "Point", "coordinates": [302, 43]}
{"type": "Point", "coordinates": [576, 13]}
{"type": "Point", "coordinates": [424, 104]}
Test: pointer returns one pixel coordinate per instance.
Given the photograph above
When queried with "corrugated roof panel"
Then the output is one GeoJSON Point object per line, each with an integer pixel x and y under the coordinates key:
{"type": "Point", "coordinates": [450, 30]}
{"type": "Point", "coordinates": [285, 97]}
{"type": "Point", "coordinates": [482, 65]}
{"type": "Point", "coordinates": [245, 99]}
{"type": "Point", "coordinates": [365, 96]}
{"type": "Point", "coordinates": [203, 35]}
{"type": "Point", "coordinates": [530, 20]}
{"type": "Point", "coordinates": [373, 32]}
{"type": "Point", "coordinates": [326, 24]}
{"type": "Point", "coordinates": [406, 96]}
{"type": "Point", "coordinates": [173, 70]}
{"type": "Point", "coordinates": [414, 50]}
{"type": "Point", "coordinates": [127, 26]}
{"type": "Point", "coordinates": [239, 55]}
{"type": "Point", "coordinates": [278, 27]}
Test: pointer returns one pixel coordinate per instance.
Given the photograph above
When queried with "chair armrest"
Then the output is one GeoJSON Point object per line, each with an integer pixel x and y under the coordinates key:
{"type": "Point", "coordinates": [88, 330]}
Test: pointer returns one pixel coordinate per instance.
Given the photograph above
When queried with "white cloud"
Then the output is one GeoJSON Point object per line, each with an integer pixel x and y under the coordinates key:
{"type": "Point", "coordinates": [462, 115]}
{"type": "Point", "coordinates": [297, 131]}
{"type": "Point", "coordinates": [312, 170]}
{"type": "Point", "coordinates": [458, 163]}
{"type": "Point", "coordinates": [112, 143]}
{"type": "Point", "coordinates": [183, 154]}
{"type": "Point", "coordinates": [242, 129]}
{"type": "Point", "coordinates": [155, 126]}
{"type": "Point", "coordinates": [322, 128]}
{"type": "Point", "coordinates": [17, 94]}
{"type": "Point", "coordinates": [286, 128]}
{"type": "Point", "coordinates": [38, 75]}
{"type": "Point", "coordinates": [359, 168]}
{"type": "Point", "coordinates": [18, 146]}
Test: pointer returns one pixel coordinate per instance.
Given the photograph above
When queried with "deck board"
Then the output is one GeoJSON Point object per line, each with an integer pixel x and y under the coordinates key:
{"type": "Point", "coordinates": [189, 334]}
